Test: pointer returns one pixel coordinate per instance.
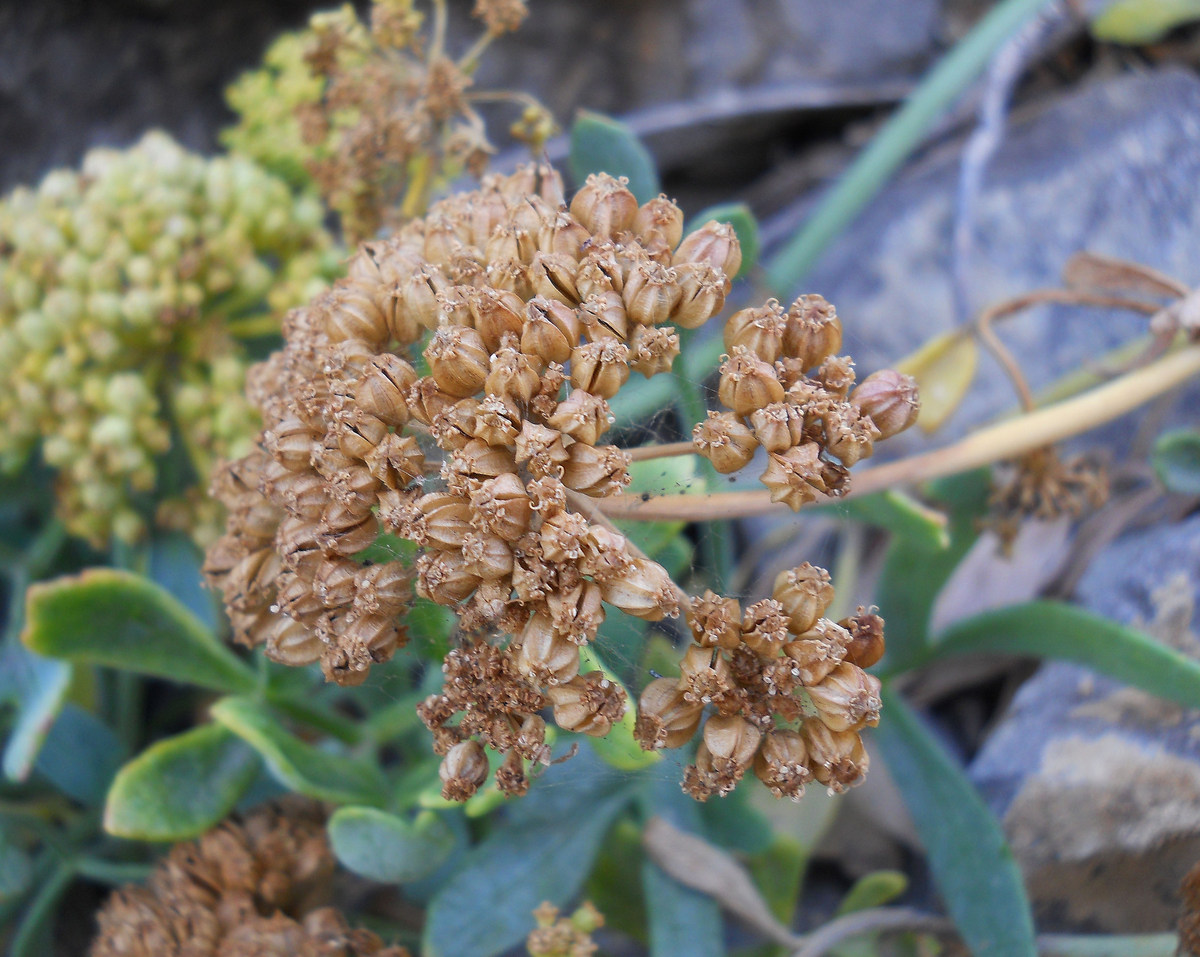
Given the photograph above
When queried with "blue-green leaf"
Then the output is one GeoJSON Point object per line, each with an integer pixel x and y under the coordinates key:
{"type": "Point", "coordinates": [1108, 945]}
{"type": "Point", "coordinates": [1051, 629]}
{"type": "Point", "coordinates": [37, 687]}
{"type": "Point", "coordinates": [324, 775]}
{"type": "Point", "coordinates": [180, 787]}
{"type": "Point", "coordinates": [873, 890]}
{"type": "Point", "coordinates": [971, 862]}
{"type": "Point", "coordinates": [387, 847]}
{"type": "Point", "coordinates": [175, 563]}
{"type": "Point", "coordinates": [600, 144]}
{"type": "Point", "coordinates": [16, 869]}
{"type": "Point", "coordinates": [110, 617]}
{"type": "Point", "coordinates": [543, 853]}
{"type": "Point", "coordinates": [739, 216]}
{"type": "Point", "coordinates": [81, 756]}
{"type": "Point", "coordinates": [1177, 461]}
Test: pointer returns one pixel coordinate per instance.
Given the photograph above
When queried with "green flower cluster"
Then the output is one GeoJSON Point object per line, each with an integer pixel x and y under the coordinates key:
{"type": "Point", "coordinates": [122, 286]}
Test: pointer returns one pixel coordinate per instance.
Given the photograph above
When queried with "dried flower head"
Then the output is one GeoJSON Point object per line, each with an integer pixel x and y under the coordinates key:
{"type": "Point", "coordinates": [252, 886]}
{"type": "Point", "coordinates": [557, 936]}
{"type": "Point", "coordinates": [1044, 486]}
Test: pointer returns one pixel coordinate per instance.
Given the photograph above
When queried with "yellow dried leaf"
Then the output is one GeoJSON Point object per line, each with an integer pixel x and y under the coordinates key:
{"type": "Point", "coordinates": [944, 368]}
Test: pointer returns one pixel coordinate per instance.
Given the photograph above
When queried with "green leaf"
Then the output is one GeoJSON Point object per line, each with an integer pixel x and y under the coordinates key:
{"type": "Point", "coordinates": [1143, 21]}
{"type": "Point", "coordinates": [81, 756]}
{"type": "Point", "coordinates": [898, 513]}
{"type": "Point", "coordinates": [971, 862]}
{"type": "Point", "coordinates": [175, 563]}
{"type": "Point", "coordinates": [600, 144]}
{"type": "Point", "coordinates": [37, 687]}
{"type": "Point", "coordinates": [873, 890]}
{"type": "Point", "coordinates": [913, 575]}
{"type": "Point", "coordinates": [619, 747]}
{"type": "Point", "coordinates": [739, 216]}
{"type": "Point", "coordinates": [668, 476]}
{"type": "Point", "coordinates": [180, 787]}
{"type": "Point", "coordinates": [1051, 629]}
{"type": "Point", "coordinates": [944, 368]}
{"type": "Point", "coordinates": [610, 888]}
{"type": "Point", "coordinates": [735, 824]}
{"type": "Point", "coordinates": [389, 848]}
{"type": "Point", "coordinates": [682, 921]}
{"type": "Point", "coordinates": [1176, 459]}
{"type": "Point", "coordinates": [543, 853]}
{"type": "Point", "coordinates": [115, 618]}
{"type": "Point", "coordinates": [324, 775]}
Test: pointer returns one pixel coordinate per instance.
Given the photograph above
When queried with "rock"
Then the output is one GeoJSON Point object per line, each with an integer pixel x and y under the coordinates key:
{"type": "Point", "coordinates": [1097, 783]}
{"type": "Point", "coordinates": [1113, 167]}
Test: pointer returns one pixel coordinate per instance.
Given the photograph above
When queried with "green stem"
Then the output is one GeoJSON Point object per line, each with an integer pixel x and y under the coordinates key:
{"type": "Point", "coordinates": [319, 717]}
{"type": "Point", "coordinates": [112, 873]}
{"type": "Point", "coordinates": [25, 940]}
{"type": "Point", "coordinates": [895, 142]}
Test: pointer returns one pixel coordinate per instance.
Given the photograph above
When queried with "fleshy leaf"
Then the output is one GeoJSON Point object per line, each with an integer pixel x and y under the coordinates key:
{"type": "Point", "coordinates": [543, 853]}
{"type": "Point", "coordinates": [81, 756]}
{"type": "Point", "coordinates": [180, 787]}
{"type": "Point", "coordinates": [1177, 461]}
{"type": "Point", "coordinates": [37, 687]}
{"type": "Point", "coordinates": [873, 890]}
{"type": "Point", "coordinates": [320, 774]}
{"type": "Point", "coordinates": [389, 848]}
{"type": "Point", "coordinates": [971, 862]}
{"type": "Point", "coordinates": [898, 513]}
{"type": "Point", "coordinates": [944, 368]}
{"type": "Point", "coordinates": [110, 617]}
{"type": "Point", "coordinates": [600, 144]}
{"type": "Point", "coordinates": [175, 563]}
{"type": "Point", "coordinates": [1051, 629]}
{"type": "Point", "coordinates": [1143, 21]}
{"type": "Point", "coordinates": [16, 869]}
{"type": "Point", "coordinates": [739, 216]}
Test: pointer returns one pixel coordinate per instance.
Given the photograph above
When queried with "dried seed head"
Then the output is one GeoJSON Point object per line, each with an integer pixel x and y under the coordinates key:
{"type": "Point", "coordinates": [803, 593]}
{"type": "Point", "coordinates": [651, 292]}
{"type": "Point", "coordinates": [796, 476]}
{"type": "Point", "coordinates": [813, 331]}
{"type": "Point", "coordinates": [496, 313]}
{"type": "Point", "coordinates": [552, 275]}
{"type": "Point", "coordinates": [850, 435]}
{"type": "Point", "coordinates": [588, 704]}
{"type": "Point", "coordinates": [596, 471]}
{"type": "Point", "coordinates": [583, 416]}
{"type": "Point", "coordinates": [604, 205]}
{"type": "Point", "coordinates": [576, 613]}
{"type": "Point", "coordinates": [705, 678]}
{"type": "Point", "coordinates": [463, 770]}
{"type": "Point", "coordinates": [731, 740]}
{"type": "Point", "coordinates": [778, 426]}
{"type": "Point", "coordinates": [837, 375]}
{"type": "Point", "coordinates": [866, 644]}
{"type": "Point", "coordinates": [544, 655]}
{"type": "Point", "coordinates": [653, 349]}
{"type": "Point", "coordinates": [659, 218]}
{"type": "Point", "coordinates": [837, 758]}
{"type": "Point", "coordinates": [604, 315]}
{"type": "Point", "coordinates": [847, 699]}
{"type": "Point", "coordinates": [502, 507]}
{"type": "Point", "coordinates": [818, 651]}
{"type": "Point", "coordinates": [666, 719]}
{"type": "Point", "coordinates": [701, 294]}
{"type": "Point", "coordinates": [458, 360]}
{"type": "Point", "coordinates": [890, 399]}
{"type": "Point", "coordinates": [713, 243]}
{"type": "Point", "coordinates": [765, 627]}
{"type": "Point", "coordinates": [600, 367]}
{"type": "Point", "coordinates": [715, 621]}
{"type": "Point", "coordinates": [759, 330]}
{"type": "Point", "coordinates": [725, 441]}
{"type": "Point", "coordinates": [644, 590]}
{"type": "Point", "coordinates": [782, 763]}
{"type": "Point", "coordinates": [351, 313]}
{"type": "Point", "coordinates": [748, 383]}
{"type": "Point", "coordinates": [551, 330]}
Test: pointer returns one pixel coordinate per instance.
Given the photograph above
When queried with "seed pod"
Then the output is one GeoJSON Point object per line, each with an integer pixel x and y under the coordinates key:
{"type": "Point", "coordinates": [478, 460]}
{"type": "Point", "coordinates": [765, 628]}
{"type": "Point", "coordinates": [444, 578]}
{"type": "Point", "coordinates": [849, 434]}
{"type": "Point", "coordinates": [596, 471]}
{"type": "Point", "coordinates": [837, 758]}
{"type": "Point", "coordinates": [577, 612]}
{"type": "Point", "coordinates": [666, 719]}
{"type": "Point", "coordinates": [643, 590]}
{"type": "Point", "coordinates": [496, 421]}
{"type": "Point", "coordinates": [837, 375]}
{"type": "Point", "coordinates": [731, 740]}
{"type": "Point", "coordinates": [446, 520]}
{"type": "Point", "coordinates": [426, 401]}
{"type": "Point", "coordinates": [813, 331]}
{"type": "Point", "coordinates": [458, 360]}
{"type": "Point", "coordinates": [603, 314]}
{"type": "Point", "coordinates": [659, 218]}
{"type": "Point", "coordinates": [248, 584]}
{"type": "Point", "coordinates": [724, 441]}
{"type": "Point", "coordinates": [297, 544]}
{"type": "Point", "coordinates": [782, 763]}
{"type": "Point", "coordinates": [847, 699]}
{"type": "Point", "coordinates": [551, 330]}
{"type": "Point", "coordinates": [701, 294]}
{"type": "Point", "coordinates": [562, 537]}
{"type": "Point", "coordinates": [350, 313]}
{"type": "Point", "coordinates": [651, 292]}
{"type": "Point", "coordinates": [419, 296]}
{"type": "Point", "coordinates": [796, 476]}
{"type": "Point", "coordinates": [778, 426]}
{"type": "Point", "coordinates": [512, 376]}
{"type": "Point", "coordinates": [748, 383]}
{"type": "Point", "coordinates": [396, 461]}
{"type": "Point", "coordinates": [334, 581]}
{"type": "Point", "coordinates": [818, 651]}
{"type": "Point", "coordinates": [653, 349]}
{"type": "Point", "coordinates": [463, 770]}
{"type": "Point", "coordinates": [803, 592]}
{"type": "Point", "coordinates": [605, 554]}
{"type": "Point", "coordinates": [487, 556]}
{"type": "Point", "coordinates": [758, 330]}
{"type": "Point", "coordinates": [587, 704]}
{"type": "Point", "coordinates": [292, 444]}
{"type": "Point", "coordinates": [599, 271]}
{"type": "Point", "coordinates": [380, 391]}
{"type": "Point", "coordinates": [890, 399]}
{"type": "Point", "coordinates": [583, 416]}
{"type": "Point", "coordinates": [715, 621]}
{"type": "Point", "coordinates": [866, 645]}
{"type": "Point", "coordinates": [553, 275]}
{"type": "Point", "coordinates": [600, 367]}
{"type": "Point", "coordinates": [502, 507]}
{"type": "Point", "coordinates": [543, 655]}
{"type": "Point", "coordinates": [359, 434]}
{"type": "Point", "coordinates": [542, 448]}
{"type": "Point", "coordinates": [604, 205]}
{"type": "Point", "coordinates": [562, 234]}
{"type": "Point", "coordinates": [713, 243]}
{"type": "Point", "coordinates": [510, 241]}
{"type": "Point", "coordinates": [705, 678]}
{"type": "Point", "coordinates": [291, 642]}
{"type": "Point", "coordinates": [496, 313]}
{"type": "Point", "coordinates": [345, 531]}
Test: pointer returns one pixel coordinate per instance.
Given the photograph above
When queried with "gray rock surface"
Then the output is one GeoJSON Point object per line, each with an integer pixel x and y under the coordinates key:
{"type": "Point", "coordinates": [1098, 784]}
{"type": "Point", "coordinates": [1113, 167]}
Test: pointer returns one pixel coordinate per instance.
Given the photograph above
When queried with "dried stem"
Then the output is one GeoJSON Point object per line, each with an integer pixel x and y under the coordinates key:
{"type": "Point", "coordinates": [996, 443]}
{"type": "Point", "coordinates": [662, 451]}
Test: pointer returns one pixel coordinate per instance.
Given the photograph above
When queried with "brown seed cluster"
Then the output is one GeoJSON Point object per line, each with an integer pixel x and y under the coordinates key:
{"type": "Point", "coordinates": [1044, 486]}
{"type": "Point", "coordinates": [786, 686]}
{"type": "Point", "coordinates": [250, 887]}
{"type": "Point", "coordinates": [814, 427]}
{"type": "Point", "coordinates": [533, 315]}
{"type": "Point", "coordinates": [562, 936]}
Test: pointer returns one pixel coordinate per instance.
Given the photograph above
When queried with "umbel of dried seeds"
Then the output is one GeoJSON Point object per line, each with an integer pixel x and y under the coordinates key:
{"type": "Point", "coordinates": [529, 315]}
{"type": "Point", "coordinates": [249, 887]}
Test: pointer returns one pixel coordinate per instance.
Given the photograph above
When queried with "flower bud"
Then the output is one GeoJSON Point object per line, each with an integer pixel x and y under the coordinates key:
{"type": "Point", "coordinates": [666, 719]}
{"type": "Point", "coordinates": [890, 399]}
{"type": "Point", "coordinates": [600, 367]}
{"type": "Point", "coordinates": [813, 331]}
{"type": "Point", "coordinates": [847, 699]}
{"type": "Point", "coordinates": [604, 205]}
{"type": "Point", "coordinates": [782, 763]}
{"type": "Point", "coordinates": [714, 243]}
{"type": "Point", "coordinates": [587, 704]}
{"type": "Point", "coordinates": [463, 770]}
{"type": "Point", "coordinates": [803, 593]}
{"type": "Point", "coordinates": [724, 441]}
{"type": "Point", "coordinates": [748, 383]}
{"type": "Point", "coordinates": [458, 360]}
